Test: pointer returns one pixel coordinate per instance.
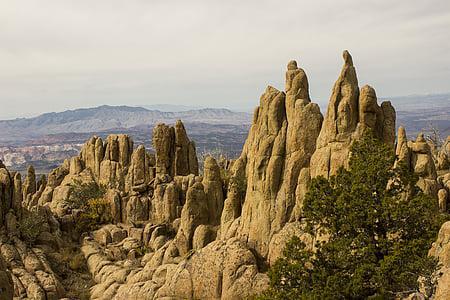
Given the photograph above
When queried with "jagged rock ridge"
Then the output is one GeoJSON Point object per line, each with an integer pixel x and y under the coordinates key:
{"type": "Point", "coordinates": [210, 234]}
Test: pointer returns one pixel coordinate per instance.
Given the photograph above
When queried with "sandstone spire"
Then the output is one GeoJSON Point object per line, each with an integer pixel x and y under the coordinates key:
{"type": "Point", "coordinates": [175, 153]}
{"type": "Point", "coordinates": [350, 112]}
{"type": "Point", "coordinates": [280, 143]}
{"type": "Point", "coordinates": [92, 154]}
{"type": "Point", "coordinates": [29, 186]}
{"type": "Point", "coordinates": [212, 184]}
{"type": "Point", "coordinates": [6, 187]}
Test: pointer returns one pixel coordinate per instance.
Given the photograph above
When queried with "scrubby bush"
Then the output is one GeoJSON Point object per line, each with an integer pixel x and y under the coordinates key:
{"type": "Point", "coordinates": [95, 212]}
{"type": "Point", "coordinates": [31, 225]}
{"type": "Point", "coordinates": [82, 192]}
{"type": "Point", "coordinates": [93, 209]}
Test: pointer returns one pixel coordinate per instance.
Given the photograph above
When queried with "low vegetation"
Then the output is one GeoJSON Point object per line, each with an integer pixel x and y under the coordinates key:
{"type": "Point", "coordinates": [92, 209]}
{"type": "Point", "coordinates": [376, 227]}
{"type": "Point", "coordinates": [31, 225]}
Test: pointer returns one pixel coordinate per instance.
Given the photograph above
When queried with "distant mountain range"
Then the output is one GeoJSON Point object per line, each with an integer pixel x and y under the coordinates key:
{"type": "Point", "coordinates": [415, 112]}
{"type": "Point", "coordinates": [106, 118]}
{"type": "Point", "coordinates": [46, 140]}
{"type": "Point", "coordinates": [421, 112]}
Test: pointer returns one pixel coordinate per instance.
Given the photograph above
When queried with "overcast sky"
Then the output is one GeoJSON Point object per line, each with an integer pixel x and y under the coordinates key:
{"type": "Point", "coordinates": [62, 54]}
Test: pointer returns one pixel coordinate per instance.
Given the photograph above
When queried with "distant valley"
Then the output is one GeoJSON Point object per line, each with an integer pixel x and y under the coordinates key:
{"type": "Point", "coordinates": [46, 140]}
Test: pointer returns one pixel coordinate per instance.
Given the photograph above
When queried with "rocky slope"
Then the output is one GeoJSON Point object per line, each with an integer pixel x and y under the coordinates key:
{"type": "Point", "coordinates": [178, 232]}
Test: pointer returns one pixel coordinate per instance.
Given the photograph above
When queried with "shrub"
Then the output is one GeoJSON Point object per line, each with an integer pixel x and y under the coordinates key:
{"type": "Point", "coordinates": [31, 225]}
{"type": "Point", "coordinates": [94, 208]}
{"type": "Point", "coordinates": [95, 212]}
{"type": "Point", "coordinates": [82, 192]}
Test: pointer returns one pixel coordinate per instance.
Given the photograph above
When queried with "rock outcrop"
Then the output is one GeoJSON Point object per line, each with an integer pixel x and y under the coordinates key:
{"type": "Point", "coordinates": [281, 142]}
{"type": "Point", "coordinates": [176, 154]}
{"type": "Point", "coordinates": [443, 157]}
{"type": "Point", "coordinates": [350, 112]}
{"type": "Point", "coordinates": [441, 250]}
{"type": "Point", "coordinates": [417, 157]}
{"type": "Point", "coordinates": [177, 233]}
{"type": "Point", "coordinates": [6, 283]}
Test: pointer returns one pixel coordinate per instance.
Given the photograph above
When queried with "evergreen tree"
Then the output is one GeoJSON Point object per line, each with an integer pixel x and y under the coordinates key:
{"type": "Point", "coordinates": [378, 226]}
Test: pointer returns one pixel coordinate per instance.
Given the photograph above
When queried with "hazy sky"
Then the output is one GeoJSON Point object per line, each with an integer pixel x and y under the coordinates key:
{"type": "Point", "coordinates": [61, 54]}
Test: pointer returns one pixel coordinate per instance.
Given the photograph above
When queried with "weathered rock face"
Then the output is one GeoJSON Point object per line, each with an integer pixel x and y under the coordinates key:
{"type": "Point", "coordinates": [350, 112]}
{"type": "Point", "coordinates": [17, 193]}
{"type": "Point", "coordinates": [25, 271]}
{"type": "Point", "coordinates": [6, 283]}
{"type": "Point", "coordinates": [417, 157]}
{"type": "Point", "coordinates": [175, 153]}
{"type": "Point", "coordinates": [280, 143]}
{"type": "Point", "coordinates": [185, 155]}
{"type": "Point", "coordinates": [221, 270]}
{"type": "Point", "coordinates": [141, 170]}
{"type": "Point", "coordinates": [213, 187]}
{"type": "Point", "coordinates": [235, 197]}
{"type": "Point", "coordinates": [441, 250]}
{"type": "Point", "coordinates": [443, 157]}
{"type": "Point", "coordinates": [177, 235]}
{"type": "Point", "coordinates": [421, 158]}
{"type": "Point", "coordinates": [163, 143]}
{"type": "Point", "coordinates": [443, 199]}
{"type": "Point", "coordinates": [29, 185]}
{"type": "Point", "coordinates": [194, 213]}
{"type": "Point", "coordinates": [402, 150]}
{"type": "Point", "coordinates": [5, 192]}
{"type": "Point", "coordinates": [92, 154]}
{"type": "Point", "coordinates": [119, 149]}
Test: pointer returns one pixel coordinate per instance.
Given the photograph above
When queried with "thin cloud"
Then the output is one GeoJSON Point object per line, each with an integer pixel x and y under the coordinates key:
{"type": "Point", "coordinates": [60, 54]}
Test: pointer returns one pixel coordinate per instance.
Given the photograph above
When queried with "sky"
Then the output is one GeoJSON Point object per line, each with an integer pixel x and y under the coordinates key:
{"type": "Point", "coordinates": [65, 54]}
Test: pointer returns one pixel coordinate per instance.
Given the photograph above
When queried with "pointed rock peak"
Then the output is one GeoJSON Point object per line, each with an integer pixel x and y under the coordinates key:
{"type": "Point", "coordinates": [420, 138]}
{"type": "Point", "coordinates": [270, 89]}
{"type": "Point", "coordinates": [401, 135]}
{"type": "Point", "coordinates": [211, 169]}
{"type": "Point", "coordinates": [347, 58]}
{"type": "Point", "coordinates": [30, 171]}
{"type": "Point", "coordinates": [368, 90]}
{"type": "Point", "coordinates": [292, 65]}
{"type": "Point", "coordinates": [179, 123]}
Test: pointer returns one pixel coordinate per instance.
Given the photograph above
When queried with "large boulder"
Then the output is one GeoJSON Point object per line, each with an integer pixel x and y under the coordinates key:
{"type": "Point", "coordinates": [221, 270]}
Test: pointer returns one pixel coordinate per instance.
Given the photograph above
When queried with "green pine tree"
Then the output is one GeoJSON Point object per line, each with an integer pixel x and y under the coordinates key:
{"type": "Point", "coordinates": [380, 227]}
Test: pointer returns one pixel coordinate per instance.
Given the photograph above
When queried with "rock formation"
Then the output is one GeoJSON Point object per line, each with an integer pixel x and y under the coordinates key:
{"type": "Point", "coordinates": [441, 250]}
{"type": "Point", "coordinates": [350, 112]}
{"type": "Point", "coordinates": [175, 152]}
{"type": "Point", "coordinates": [417, 157]}
{"type": "Point", "coordinates": [175, 234]}
{"type": "Point", "coordinates": [6, 283]}
{"type": "Point", "coordinates": [443, 157]}
{"type": "Point", "coordinates": [280, 143]}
